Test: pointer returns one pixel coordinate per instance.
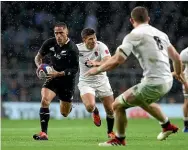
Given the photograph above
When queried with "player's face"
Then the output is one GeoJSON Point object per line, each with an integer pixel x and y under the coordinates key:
{"type": "Point", "coordinates": [61, 34]}
{"type": "Point", "coordinates": [90, 41]}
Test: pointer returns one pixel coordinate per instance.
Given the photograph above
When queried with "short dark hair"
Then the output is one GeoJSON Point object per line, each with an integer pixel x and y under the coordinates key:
{"type": "Point", "coordinates": [60, 24]}
{"type": "Point", "coordinates": [139, 14]}
{"type": "Point", "coordinates": [87, 31]}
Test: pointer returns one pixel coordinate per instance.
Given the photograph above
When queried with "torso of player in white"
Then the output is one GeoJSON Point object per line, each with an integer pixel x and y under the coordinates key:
{"type": "Point", "coordinates": [97, 53]}
{"type": "Point", "coordinates": [149, 45]}
{"type": "Point", "coordinates": [184, 58]}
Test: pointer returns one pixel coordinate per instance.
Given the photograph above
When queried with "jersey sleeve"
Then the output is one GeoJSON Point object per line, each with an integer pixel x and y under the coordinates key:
{"type": "Point", "coordinates": [168, 43]}
{"type": "Point", "coordinates": [45, 48]}
{"type": "Point", "coordinates": [184, 55]}
{"type": "Point", "coordinates": [129, 42]}
{"type": "Point", "coordinates": [104, 50]}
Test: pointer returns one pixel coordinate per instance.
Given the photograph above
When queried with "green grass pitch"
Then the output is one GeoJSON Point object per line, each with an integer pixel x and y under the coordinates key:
{"type": "Point", "coordinates": [83, 134]}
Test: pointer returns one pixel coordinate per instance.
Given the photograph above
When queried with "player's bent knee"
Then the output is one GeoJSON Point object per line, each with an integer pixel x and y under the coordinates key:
{"type": "Point", "coordinates": [90, 108]}
{"type": "Point", "coordinates": [121, 102]}
{"type": "Point", "coordinates": [116, 104]}
{"type": "Point", "coordinates": [110, 114]}
{"type": "Point", "coordinates": [64, 114]}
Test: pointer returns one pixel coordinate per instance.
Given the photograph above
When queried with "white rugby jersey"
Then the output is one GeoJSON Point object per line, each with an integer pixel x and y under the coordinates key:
{"type": "Point", "coordinates": [97, 53]}
{"type": "Point", "coordinates": [149, 45]}
{"type": "Point", "coordinates": [184, 58]}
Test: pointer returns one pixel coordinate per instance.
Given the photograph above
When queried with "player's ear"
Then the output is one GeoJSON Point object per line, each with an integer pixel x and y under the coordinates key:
{"type": "Point", "coordinates": [84, 39]}
{"type": "Point", "coordinates": [148, 19]}
{"type": "Point", "coordinates": [131, 20]}
{"type": "Point", "coordinates": [67, 31]}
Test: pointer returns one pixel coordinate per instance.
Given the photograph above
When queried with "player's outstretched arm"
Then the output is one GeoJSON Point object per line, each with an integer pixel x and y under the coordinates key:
{"type": "Point", "coordinates": [95, 63]}
{"type": "Point", "coordinates": [110, 64]}
{"type": "Point", "coordinates": [177, 63]}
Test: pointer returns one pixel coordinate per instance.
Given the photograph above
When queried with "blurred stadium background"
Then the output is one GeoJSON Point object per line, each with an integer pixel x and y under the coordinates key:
{"type": "Point", "coordinates": [24, 27]}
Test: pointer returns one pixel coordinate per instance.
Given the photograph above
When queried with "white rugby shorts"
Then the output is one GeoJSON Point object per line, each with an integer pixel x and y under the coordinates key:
{"type": "Point", "coordinates": [99, 89]}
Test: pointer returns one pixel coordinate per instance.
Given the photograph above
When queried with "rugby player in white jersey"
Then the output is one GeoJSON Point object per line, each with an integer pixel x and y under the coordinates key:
{"type": "Point", "coordinates": [93, 53]}
{"type": "Point", "coordinates": [184, 58]}
{"type": "Point", "coordinates": [153, 49]}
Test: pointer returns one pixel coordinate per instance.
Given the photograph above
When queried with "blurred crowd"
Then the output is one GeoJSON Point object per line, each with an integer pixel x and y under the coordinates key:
{"type": "Point", "coordinates": [25, 26]}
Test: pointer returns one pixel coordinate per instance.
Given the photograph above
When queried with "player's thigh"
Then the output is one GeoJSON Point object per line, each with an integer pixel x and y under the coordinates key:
{"type": "Point", "coordinates": [47, 94]}
{"type": "Point", "coordinates": [88, 99]}
{"type": "Point", "coordinates": [185, 91]}
{"type": "Point", "coordinates": [104, 89]}
{"type": "Point", "coordinates": [87, 93]}
{"type": "Point", "coordinates": [125, 100]}
{"type": "Point", "coordinates": [146, 93]}
{"type": "Point", "coordinates": [49, 90]}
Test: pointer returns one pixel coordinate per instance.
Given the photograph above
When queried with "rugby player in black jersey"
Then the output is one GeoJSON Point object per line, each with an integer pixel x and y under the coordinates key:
{"type": "Point", "coordinates": [63, 54]}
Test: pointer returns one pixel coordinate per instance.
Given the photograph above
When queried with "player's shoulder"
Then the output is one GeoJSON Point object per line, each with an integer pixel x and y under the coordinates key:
{"type": "Point", "coordinates": [81, 46]}
{"type": "Point", "coordinates": [72, 45]}
{"type": "Point", "coordinates": [101, 44]}
{"type": "Point", "coordinates": [184, 54]}
{"type": "Point", "coordinates": [133, 36]}
{"type": "Point", "coordinates": [50, 41]}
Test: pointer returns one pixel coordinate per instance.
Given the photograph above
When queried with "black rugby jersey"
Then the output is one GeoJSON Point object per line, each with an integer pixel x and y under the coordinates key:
{"type": "Point", "coordinates": [64, 58]}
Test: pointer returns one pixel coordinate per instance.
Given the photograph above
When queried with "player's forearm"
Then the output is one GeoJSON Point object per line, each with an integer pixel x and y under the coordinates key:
{"type": "Point", "coordinates": [177, 64]}
{"type": "Point", "coordinates": [38, 60]}
{"type": "Point", "coordinates": [108, 65]}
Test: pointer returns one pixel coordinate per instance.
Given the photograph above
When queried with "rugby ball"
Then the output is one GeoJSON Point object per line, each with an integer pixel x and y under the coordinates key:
{"type": "Point", "coordinates": [43, 70]}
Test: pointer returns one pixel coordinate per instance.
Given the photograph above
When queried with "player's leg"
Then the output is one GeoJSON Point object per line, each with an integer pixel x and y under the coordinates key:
{"type": "Point", "coordinates": [105, 93]}
{"type": "Point", "coordinates": [87, 94]}
{"type": "Point", "coordinates": [65, 107]}
{"type": "Point", "coordinates": [119, 106]}
{"type": "Point", "coordinates": [47, 97]}
{"type": "Point", "coordinates": [185, 107]}
{"type": "Point", "coordinates": [65, 93]}
{"type": "Point", "coordinates": [146, 95]}
{"type": "Point", "coordinates": [89, 101]}
{"type": "Point", "coordinates": [107, 102]}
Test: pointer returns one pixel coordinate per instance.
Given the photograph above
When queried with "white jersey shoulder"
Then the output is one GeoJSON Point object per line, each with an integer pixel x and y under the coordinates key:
{"type": "Point", "coordinates": [149, 45]}
{"type": "Point", "coordinates": [184, 55]}
{"type": "Point", "coordinates": [97, 53]}
{"type": "Point", "coordinates": [184, 58]}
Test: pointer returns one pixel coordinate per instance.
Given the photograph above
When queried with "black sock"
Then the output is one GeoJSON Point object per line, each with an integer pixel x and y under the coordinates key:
{"type": "Point", "coordinates": [44, 118]}
{"type": "Point", "coordinates": [96, 111]}
{"type": "Point", "coordinates": [110, 124]}
{"type": "Point", "coordinates": [186, 123]}
{"type": "Point", "coordinates": [165, 125]}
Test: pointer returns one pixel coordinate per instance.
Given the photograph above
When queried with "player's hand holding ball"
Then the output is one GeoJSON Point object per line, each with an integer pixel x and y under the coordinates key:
{"type": "Point", "coordinates": [43, 71]}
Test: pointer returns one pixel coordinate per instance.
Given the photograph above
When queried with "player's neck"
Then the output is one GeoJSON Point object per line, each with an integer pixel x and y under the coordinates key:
{"type": "Point", "coordinates": [139, 24]}
{"type": "Point", "coordinates": [89, 48]}
{"type": "Point", "coordinates": [61, 44]}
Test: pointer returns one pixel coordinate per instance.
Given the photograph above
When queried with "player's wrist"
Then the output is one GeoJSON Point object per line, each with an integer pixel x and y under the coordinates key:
{"type": "Point", "coordinates": [99, 69]}
{"type": "Point", "coordinates": [62, 73]}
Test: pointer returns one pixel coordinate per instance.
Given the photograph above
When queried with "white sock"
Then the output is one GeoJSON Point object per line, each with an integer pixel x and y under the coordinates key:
{"type": "Point", "coordinates": [120, 135]}
{"type": "Point", "coordinates": [166, 120]}
{"type": "Point", "coordinates": [185, 118]}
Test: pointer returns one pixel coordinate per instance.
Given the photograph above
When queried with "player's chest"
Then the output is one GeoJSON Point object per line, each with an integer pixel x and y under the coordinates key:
{"type": "Point", "coordinates": [89, 55]}
{"type": "Point", "coordinates": [59, 52]}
